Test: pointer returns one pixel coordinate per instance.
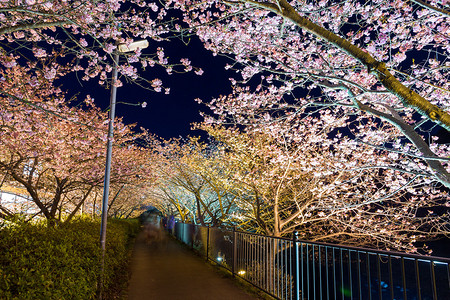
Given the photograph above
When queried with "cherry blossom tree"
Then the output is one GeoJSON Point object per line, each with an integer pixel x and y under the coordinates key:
{"type": "Point", "coordinates": [307, 186]}
{"type": "Point", "coordinates": [174, 200]}
{"type": "Point", "coordinates": [43, 41]}
{"type": "Point", "coordinates": [129, 200]}
{"type": "Point", "coordinates": [368, 80]}
{"type": "Point", "coordinates": [377, 62]}
{"type": "Point", "coordinates": [193, 179]}
{"type": "Point", "coordinates": [81, 36]}
{"type": "Point", "coordinates": [56, 152]}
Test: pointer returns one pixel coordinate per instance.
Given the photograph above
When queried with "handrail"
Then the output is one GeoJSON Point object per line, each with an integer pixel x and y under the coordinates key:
{"type": "Point", "coordinates": [397, 253]}
{"type": "Point", "coordinates": [298, 269]}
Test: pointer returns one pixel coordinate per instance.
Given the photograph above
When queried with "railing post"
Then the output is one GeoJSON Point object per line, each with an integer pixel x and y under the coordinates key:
{"type": "Point", "coordinates": [182, 232]}
{"type": "Point", "coordinates": [295, 268]}
{"type": "Point", "coordinates": [207, 242]}
{"type": "Point", "coordinates": [192, 234]}
{"type": "Point", "coordinates": [233, 266]}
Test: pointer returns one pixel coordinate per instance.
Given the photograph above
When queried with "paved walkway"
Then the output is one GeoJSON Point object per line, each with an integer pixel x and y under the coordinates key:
{"type": "Point", "coordinates": [167, 270]}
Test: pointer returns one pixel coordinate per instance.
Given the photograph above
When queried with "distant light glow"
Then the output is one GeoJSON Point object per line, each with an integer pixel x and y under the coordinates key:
{"type": "Point", "coordinates": [241, 272]}
{"type": "Point", "coordinates": [219, 258]}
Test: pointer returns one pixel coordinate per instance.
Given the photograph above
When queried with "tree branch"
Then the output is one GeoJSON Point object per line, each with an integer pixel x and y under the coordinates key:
{"type": "Point", "coordinates": [32, 26]}
{"type": "Point", "coordinates": [441, 11]}
{"type": "Point", "coordinates": [408, 97]}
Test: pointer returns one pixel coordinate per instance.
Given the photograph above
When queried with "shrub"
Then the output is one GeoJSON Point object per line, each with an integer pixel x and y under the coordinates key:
{"type": "Point", "coordinates": [63, 262]}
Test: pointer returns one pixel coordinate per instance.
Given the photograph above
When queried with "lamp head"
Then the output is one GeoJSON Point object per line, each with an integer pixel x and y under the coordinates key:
{"type": "Point", "coordinates": [123, 48]}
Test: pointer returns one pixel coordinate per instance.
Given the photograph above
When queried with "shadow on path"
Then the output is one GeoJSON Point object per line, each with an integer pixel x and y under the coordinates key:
{"type": "Point", "coordinates": [166, 270]}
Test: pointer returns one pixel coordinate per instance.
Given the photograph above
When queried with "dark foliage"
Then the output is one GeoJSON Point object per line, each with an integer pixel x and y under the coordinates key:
{"type": "Point", "coordinates": [41, 262]}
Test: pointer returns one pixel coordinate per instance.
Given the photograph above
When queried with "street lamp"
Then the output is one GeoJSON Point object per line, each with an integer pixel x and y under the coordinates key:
{"type": "Point", "coordinates": [122, 48]}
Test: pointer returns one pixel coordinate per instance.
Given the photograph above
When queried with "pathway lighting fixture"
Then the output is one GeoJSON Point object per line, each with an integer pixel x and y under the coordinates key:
{"type": "Point", "coordinates": [122, 48]}
{"type": "Point", "coordinates": [132, 46]}
{"type": "Point", "coordinates": [220, 257]}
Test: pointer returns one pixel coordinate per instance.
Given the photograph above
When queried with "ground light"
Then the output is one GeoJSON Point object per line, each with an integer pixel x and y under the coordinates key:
{"type": "Point", "coordinates": [220, 257]}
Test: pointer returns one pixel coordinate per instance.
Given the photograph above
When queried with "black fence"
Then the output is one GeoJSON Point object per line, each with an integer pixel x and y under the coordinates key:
{"type": "Point", "coordinates": [295, 269]}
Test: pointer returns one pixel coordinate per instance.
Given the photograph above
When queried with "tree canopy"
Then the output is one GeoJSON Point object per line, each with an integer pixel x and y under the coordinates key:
{"type": "Point", "coordinates": [336, 125]}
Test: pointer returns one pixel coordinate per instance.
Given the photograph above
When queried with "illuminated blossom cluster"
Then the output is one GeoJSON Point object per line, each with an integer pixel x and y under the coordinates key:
{"type": "Point", "coordinates": [256, 181]}
{"type": "Point", "coordinates": [61, 148]}
{"type": "Point", "coordinates": [82, 36]}
{"type": "Point", "coordinates": [301, 71]}
{"type": "Point", "coordinates": [367, 83]}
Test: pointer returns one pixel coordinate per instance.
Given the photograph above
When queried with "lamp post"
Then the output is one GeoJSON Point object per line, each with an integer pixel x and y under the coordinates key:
{"type": "Point", "coordinates": [122, 48]}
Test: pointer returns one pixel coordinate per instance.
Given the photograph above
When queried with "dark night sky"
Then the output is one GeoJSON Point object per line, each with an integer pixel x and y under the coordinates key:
{"type": "Point", "coordinates": [167, 115]}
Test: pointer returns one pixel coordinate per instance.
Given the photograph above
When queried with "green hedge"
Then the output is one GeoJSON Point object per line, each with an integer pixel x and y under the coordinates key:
{"type": "Point", "coordinates": [40, 262]}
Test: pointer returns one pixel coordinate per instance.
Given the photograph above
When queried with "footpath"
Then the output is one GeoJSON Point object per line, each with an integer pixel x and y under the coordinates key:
{"type": "Point", "coordinates": [167, 270]}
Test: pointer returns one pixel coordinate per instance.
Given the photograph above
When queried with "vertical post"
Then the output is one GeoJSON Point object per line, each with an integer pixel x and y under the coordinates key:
{"type": "Point", "coordinates": [233, 266]}
{"type": "Point", "coordinates": [380, 288]}
{"type": "Point", "coordinates": [192, 228]}
{"type": "Point", "coordinates": [433, 280]}
{"type": "Point", "coordinates": [391, 279]}
{"type": "Point", "coordinates": [207, 242]}
{"type": "Point", "coordinates": [369, 288]}
{"type": "Point", "coordinates": [320, 272]}
{"type": "Point", "coordinates": [419, 293]}
{"type": "Point", "coordinates": [112, 113]}
{"type": "Point", "coordinates": [182, 232]}
{"type": "Point", "coordinates": [295, 269]}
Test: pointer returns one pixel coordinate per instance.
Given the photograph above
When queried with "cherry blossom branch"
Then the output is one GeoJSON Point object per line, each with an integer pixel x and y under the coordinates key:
{"type": "Point", "coordinates": [411, 172]}
{"type": "Point", "coordinates": [421, 81]}
{"type": "Point", "coordinates": [330, 85]}
{"type": "Point", "coordinates": [32, 26]}
{"type": "Point", "coordinates": [28, 11]}
{"type": "Point", "coordinates": [406, 95]}
{"type": "Point", "coordinates": [336, 210]}
{"type": "Point", "coordinates": [34, 195]}
{"type": "Point", "coordinates": [429, 156]}
{"type": "Point", "coordinates": [438, 158]}
{"type": "Point", "coordinates": [54, 113]}
{"type": "Point", "coordinates": [441, 11]}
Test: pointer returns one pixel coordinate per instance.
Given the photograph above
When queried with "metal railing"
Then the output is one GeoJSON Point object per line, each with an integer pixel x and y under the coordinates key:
{"type": "Point", "coordinates": [296, 269]}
